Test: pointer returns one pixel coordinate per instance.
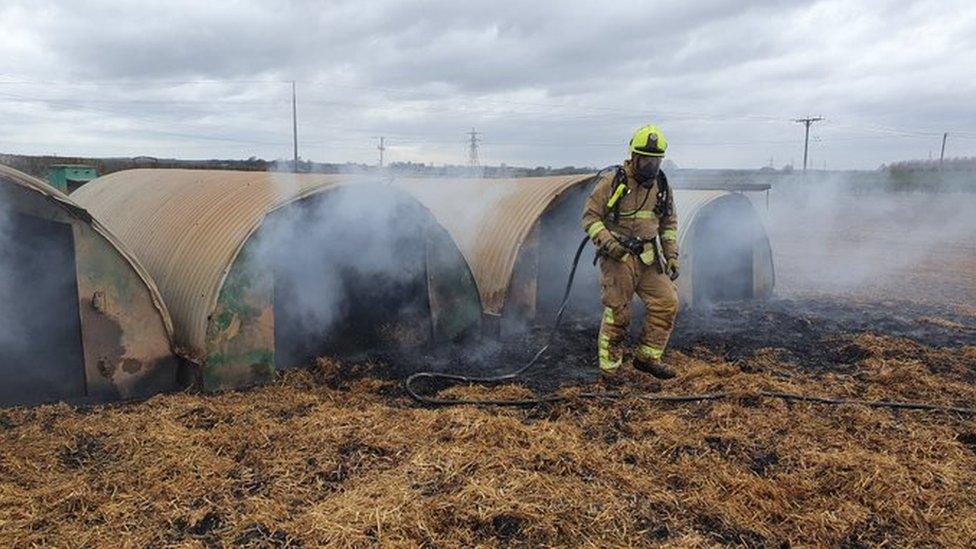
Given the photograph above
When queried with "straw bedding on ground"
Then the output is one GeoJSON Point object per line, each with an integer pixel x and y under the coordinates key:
{"type": "Point", "coordinates": [338, 456]}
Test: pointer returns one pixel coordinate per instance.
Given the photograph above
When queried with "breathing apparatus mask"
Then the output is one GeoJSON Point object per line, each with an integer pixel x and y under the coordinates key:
{"type": "Point", "coordinates": [646, 169]}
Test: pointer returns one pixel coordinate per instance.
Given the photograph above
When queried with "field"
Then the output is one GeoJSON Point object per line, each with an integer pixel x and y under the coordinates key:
{"type": "Point", "coordinates": [339, 455]}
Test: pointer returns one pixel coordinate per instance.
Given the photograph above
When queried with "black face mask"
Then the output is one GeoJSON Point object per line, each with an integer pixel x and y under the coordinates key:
{"type": "Point", "coordinates": [646, 172]}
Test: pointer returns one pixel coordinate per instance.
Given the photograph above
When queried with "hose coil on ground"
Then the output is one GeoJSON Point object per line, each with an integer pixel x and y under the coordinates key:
{"type": "Point", "coordinates": [553, 398]}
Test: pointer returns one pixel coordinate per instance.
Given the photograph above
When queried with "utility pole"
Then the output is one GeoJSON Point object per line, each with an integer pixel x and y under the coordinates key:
{"type": "Point", "coordinates": [942, 154]}
{"type": "Point", "coordinates": [294, 123]}
{"type": "Point", "coordinates": [381, 148]}
{"type": "Point", "coordinates": [806, 139]}
{"type": "Point", "coordinates": [473, 148]}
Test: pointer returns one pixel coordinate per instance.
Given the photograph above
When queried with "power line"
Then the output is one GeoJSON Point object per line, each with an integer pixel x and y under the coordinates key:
{"type": "Point", "coordinates": [593, 112]}
{"type": "Point", "coordinates": [806, 138]}
{"type": "Point", "coordinates": [585, 111]}
{"type": "Point", "coordinates": [578, 111]}
{"type": "Point", "coordinates": [425, 103]}
{"type": "Point", "coordinates": [423, 138]}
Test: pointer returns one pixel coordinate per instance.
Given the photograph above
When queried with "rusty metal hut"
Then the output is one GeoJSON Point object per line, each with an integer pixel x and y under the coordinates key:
{"type": "Point", "coordinates": [519, 236]}
{"type": "Point", "coordinates": [263, 271]}
{"type": "Point", "coordinates": [80, 319]}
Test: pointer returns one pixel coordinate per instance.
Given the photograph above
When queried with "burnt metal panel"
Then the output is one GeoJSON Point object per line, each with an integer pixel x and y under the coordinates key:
{"type": "Point", "coordinates": [124, 327]}
{"type": "Point", "coordinates": [450, 287]}
{"type": "Point", "coordinates": [128, 353]}
{"type": "Point", "coordinates": [189, 227]}
{"type": "Point", "coordinates": [241, 329]}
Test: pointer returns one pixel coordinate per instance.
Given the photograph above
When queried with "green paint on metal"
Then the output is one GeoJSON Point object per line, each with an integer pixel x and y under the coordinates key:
{"type": "Point", "coordinates": [455, 306]}
{"type": "Point", "coordinates": [256, 365]}
{"type": "Point", "coordinates": [240, 333]}
{"type": "Point", "coordinates": [102, 268]}
{"type": "Point", "coordinates": [235, 295]}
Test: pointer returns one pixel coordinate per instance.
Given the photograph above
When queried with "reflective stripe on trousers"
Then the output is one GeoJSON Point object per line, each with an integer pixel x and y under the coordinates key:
{"type": "Point", "coordinates": [608, 362]}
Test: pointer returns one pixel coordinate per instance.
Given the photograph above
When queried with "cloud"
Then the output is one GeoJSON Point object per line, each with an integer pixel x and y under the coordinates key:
{"type": "Point", "coordinates": [549, 83]}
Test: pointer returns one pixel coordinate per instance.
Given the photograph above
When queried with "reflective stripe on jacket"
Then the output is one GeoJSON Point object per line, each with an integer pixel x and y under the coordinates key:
{"type": "Point", "coordinates": [636, 211]}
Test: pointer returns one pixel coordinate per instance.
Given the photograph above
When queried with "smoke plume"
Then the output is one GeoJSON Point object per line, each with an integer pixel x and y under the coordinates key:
{"type": "Point", "coordinates": [40, 332]}
{"type": "Point", "coordinates": [828, 238]}
{"type": "Point", "coordinates": [10, 330]}
{"type": "Point", "coordinates": [349, 269]}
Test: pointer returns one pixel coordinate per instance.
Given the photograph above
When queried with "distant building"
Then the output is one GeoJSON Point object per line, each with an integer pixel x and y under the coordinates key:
{"type": "Point", "coordinates": [68, 177]}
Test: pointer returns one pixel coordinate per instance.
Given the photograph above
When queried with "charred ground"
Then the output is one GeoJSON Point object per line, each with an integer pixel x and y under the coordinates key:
{"type": "Point", "coordinates": [337, 455]}
{"type": "Point", "coordinates": [809, 335]}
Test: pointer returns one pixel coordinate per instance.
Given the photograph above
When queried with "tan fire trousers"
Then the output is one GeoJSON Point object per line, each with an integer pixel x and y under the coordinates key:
{"type": "Point", "coordinates": [619, 281]}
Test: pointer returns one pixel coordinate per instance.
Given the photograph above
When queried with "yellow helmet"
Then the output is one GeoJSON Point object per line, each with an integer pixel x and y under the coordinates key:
{"type": "Point", "coordinates": [648, 141]}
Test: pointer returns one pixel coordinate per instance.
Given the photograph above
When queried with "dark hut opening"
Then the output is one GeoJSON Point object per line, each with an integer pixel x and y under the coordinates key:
{"type": "Point", "coordinates": [41, 356]}
{"type": "Point", "coordinates": [725, 238]}
{"type": "Point", "coordinates": [350, 274]}
{"type": "Point", "coordinates": [559, 236]}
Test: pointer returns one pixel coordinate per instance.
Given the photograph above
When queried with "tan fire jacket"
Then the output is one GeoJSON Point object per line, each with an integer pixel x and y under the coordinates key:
{"type": "Point", "coordinates": [637, 218]}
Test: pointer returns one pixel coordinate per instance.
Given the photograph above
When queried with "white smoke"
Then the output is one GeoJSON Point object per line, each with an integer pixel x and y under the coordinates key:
{"type": "Point", "coordinates": [353, 252]}
{"type": "Point", "coordinates": [40, 331]}
{"type": "Point", "coordinates": [10, 329]}
{"type": "Point", "coordinates": [829, 237]}
{"type": "Point", "coordinates": [467, 208]}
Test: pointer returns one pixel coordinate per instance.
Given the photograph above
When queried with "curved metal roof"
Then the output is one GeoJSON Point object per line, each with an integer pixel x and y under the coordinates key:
{"type": "Point", "coordinates": [189, 225]}
{"type": "Point", "coordinates": [692, 204]}
{"type": "Point", "coordinates": [489, 220]}
{"type": "Point", "coordinates": [688, 204]}
{"type": "Point", "coordinates": [10, 175]}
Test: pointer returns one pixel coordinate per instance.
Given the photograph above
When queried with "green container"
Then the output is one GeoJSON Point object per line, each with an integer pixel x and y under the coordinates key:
{"type": "Point", "coordinates": [68, 177]}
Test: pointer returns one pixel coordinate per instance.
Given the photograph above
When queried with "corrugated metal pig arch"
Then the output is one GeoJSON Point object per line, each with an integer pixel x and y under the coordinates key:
{"type": "Point", "coordinates": [725, 255]}
{"type": "Point", "coordinates": [264, 270]}
{"type": "Point", "coordinates": [519, 235]}
{"type": "Point", "coordinates": [498, 225]}
{"type": "Point", "coordinates": [80, 319]}
{"type": "Point", "coordinates": [725, 250]}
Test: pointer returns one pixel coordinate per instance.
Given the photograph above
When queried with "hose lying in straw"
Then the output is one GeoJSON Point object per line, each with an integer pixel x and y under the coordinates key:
{"type": "Point", "coordinates": [518, 372]}
{"type": "Point", "coordinates": [900, 405]}
{"type": "Point", "coordinates": [514, 374]}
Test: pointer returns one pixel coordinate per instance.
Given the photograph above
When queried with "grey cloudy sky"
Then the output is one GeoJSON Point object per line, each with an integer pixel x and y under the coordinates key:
{"type": "Point", "coordinates": [547, 83]}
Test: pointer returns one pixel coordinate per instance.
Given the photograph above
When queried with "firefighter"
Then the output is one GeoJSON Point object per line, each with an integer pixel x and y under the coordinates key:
{"type": "Point", "coordinates": [630, 206]}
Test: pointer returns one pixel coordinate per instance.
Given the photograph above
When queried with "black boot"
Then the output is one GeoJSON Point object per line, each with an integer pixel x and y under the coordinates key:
{"type": "Point", "coordinates": [656, 368]}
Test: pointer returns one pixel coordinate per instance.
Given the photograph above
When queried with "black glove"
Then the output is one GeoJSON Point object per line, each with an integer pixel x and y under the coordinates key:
{"type": "Point", "coordinates": [673, 267]}
{"type": "Point", "coordinates": [633, 245]}
{"type": "Point", "coordinates": [615, 250]}
{"type": "Point", "coordinates": [609, 245]}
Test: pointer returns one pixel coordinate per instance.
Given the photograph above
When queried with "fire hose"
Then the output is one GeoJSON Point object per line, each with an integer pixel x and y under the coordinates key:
{"type": "Point", "coordinates": [553, 398]}
{"type": "Point", "coordinates": [514, 374]}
